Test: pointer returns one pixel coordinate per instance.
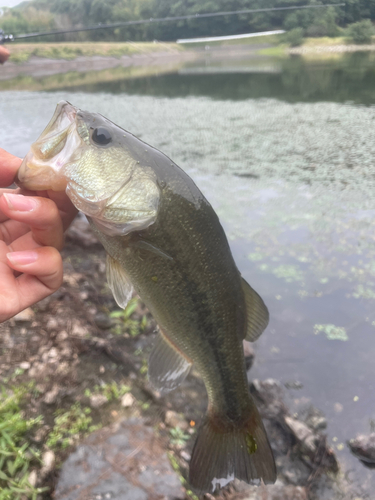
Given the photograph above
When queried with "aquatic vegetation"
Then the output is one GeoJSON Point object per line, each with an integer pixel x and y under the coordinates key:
{"type": "Point", "coordinates": [289, 273]}
{"type": "Point", "coordinates": [362, 292]}
{"type": "Point", "coordinates": [255, 256]}
{"type": "Point", "coordinates": [332, 332]}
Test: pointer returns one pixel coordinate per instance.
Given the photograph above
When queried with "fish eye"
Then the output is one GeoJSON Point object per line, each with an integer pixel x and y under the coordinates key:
{"type": "Point", "coordinates": [101, 136]}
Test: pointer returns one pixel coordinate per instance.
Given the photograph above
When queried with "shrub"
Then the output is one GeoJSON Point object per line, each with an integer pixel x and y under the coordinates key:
{"type": "Point", "coordinates": [361, 32]}
{"type": "Point", "coordinates": [294, 37]}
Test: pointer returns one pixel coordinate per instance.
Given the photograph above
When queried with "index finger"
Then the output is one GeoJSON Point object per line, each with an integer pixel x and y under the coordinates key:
{"type": "Point", "coordinates": [9, 165]}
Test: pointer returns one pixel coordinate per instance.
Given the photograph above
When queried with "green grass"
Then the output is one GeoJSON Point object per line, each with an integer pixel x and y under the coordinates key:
{"type": "Point", "coordinates": [275, 51]}
{"type": "Point", "coordinates": [70, 427]}
{"type": "Point", "coordinates": [17, 457]}
{"type": "Point", "coordinates": [22, 52]}
{"type": "Point", "coordinates": [178, 436]}
{"type": "Point", "coordinates": [176, 467]}
{"type": "Point", "coordinates": [112, 392]}
{"type": "Point", "coordinates": [125, 322]}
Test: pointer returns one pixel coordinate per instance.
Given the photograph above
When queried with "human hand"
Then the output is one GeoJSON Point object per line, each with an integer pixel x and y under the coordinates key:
{"type": "Point", "coordinates": [32, 228]}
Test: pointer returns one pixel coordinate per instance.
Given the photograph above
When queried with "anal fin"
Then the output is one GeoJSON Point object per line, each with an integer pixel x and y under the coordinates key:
{"type": "Point", "coordinates": [167, 367]}
{"type": "Point", "coordinates": [257, 313]}
{"type": "Point", "coordinates": [118, 282]}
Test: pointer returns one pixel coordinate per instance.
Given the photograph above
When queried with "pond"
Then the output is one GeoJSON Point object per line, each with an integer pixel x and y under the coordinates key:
{"type": "Point", "coordinates": [284, 150]}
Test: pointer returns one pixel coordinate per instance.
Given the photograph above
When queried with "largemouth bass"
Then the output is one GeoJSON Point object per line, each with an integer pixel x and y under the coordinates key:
{"type": "Point", "coordinates": [164, 239]}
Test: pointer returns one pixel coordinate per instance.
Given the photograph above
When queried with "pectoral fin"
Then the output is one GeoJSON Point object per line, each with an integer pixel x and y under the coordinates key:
{"type": "Point", "coordinates": [118, 282]}
{"type": "Point", "coordinates": [167, 367]}
{"type": "Point", "coordinates": [145, 245]}
{"type": "Point", "coordinates": [257, 313]}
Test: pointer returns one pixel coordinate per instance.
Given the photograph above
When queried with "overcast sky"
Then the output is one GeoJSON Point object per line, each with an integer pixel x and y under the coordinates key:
{"type": "Point", "coordinates": [9, 3]}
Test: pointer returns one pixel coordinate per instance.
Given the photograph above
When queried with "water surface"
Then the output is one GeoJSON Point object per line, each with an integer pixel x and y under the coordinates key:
{"type": "Point", "coordinates": [284, 151]}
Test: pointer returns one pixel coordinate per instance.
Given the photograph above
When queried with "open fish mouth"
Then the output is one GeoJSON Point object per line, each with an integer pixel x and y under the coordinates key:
{"type": "Point", "coordinates": [88, 157]}
{"type": "Point", "coordinates": [43, 166]}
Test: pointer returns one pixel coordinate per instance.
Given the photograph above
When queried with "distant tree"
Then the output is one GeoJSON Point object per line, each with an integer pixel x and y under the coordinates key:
{"type": "Point", "coordinates": [361, 32]}
{"type": "Point", "coordinates": [294, 37]}
{"type": "Point", "coordinates": [66, 13]}
{"type": "Point", "coordinates": [16, 22]}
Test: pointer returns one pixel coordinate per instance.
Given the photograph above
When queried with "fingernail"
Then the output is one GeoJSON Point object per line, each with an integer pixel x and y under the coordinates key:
{"type": "Point", "coordinates": [20, 202]}
{"type": "Point", "coordinates": [22, 258]}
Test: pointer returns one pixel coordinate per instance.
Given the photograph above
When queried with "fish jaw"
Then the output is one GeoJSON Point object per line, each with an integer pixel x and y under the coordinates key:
{"type": "Point", "coordinates": [105, 182]}
{"type": "Point", "coordinates": [44, 165]}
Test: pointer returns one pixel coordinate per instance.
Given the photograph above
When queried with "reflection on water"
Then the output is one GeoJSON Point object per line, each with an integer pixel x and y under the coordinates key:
{"type": "Point", "coordinates": [345, 78]}
{"type": "Point", "coordinates": [351, 78]}
{"type": "Point", "coordinates": [293, 182]}
{"type": "Point", "coordinates": [294, 79]}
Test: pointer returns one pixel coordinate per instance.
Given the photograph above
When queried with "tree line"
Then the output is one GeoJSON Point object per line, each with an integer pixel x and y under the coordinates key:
{"type": "Point", "coordinates": [45, 15]}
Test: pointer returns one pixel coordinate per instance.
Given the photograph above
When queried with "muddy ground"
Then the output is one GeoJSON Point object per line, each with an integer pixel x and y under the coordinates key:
{"type": "Point", "coordinates": [72, 349]}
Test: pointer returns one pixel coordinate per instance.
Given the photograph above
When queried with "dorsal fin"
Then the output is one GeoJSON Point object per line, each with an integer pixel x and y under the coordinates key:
{"type": "Point", "coordinates": [257, 313]}
{"type": "Point", "coordinates": [167, 367]}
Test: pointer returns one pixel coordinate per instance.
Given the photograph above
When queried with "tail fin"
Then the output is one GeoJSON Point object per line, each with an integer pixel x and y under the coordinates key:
{"type": "Point", "coordinates": [220, 454]}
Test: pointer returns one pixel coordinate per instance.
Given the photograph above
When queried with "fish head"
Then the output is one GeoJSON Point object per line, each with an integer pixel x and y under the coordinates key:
{"type": "Point", "coordinates": [100, 167]}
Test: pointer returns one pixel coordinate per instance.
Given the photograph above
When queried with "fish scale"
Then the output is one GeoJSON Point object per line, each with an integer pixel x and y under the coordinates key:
{"type": "Point", "coordinates": [163, 238]}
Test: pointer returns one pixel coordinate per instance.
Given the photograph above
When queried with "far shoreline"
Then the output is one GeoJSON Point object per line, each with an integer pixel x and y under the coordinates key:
{"type": "Point", "coordinates": [38, 60]}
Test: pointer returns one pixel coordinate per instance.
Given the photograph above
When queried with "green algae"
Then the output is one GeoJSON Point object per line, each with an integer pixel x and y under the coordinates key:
{"type": "Point", "coordinates": [332, 332]}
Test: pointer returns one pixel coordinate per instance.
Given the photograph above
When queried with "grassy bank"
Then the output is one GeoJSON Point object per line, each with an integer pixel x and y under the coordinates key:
{"type": "Point", "coordinates": [277, 47]}
{"type": "Point", "coordinates": [77, 79]}
{"type": "Point", "coordinates": [22, 52]}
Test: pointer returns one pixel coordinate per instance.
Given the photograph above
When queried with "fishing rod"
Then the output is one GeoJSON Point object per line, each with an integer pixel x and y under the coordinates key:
{"type": "Point", "coordinates": [10, 38]}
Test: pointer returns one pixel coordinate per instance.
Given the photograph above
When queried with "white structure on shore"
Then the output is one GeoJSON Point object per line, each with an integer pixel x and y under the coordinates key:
{"type": "Point", "coordinates": [229, 37]}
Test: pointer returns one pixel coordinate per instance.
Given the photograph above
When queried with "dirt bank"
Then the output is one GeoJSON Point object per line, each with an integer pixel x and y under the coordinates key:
{"type": "Point", "coordinates": [40, 66]}
{"type": "Point", "coordinates": [81, 365]}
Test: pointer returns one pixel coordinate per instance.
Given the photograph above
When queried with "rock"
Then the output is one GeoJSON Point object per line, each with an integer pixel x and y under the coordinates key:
{"type": "Point", "coordinates": [79, 330]}
{"type": "Point", "coordinates": [80, 233]}
{"type": "Point", "coordinates": [24, 316]}
{"type": "Point", "coordinates": [61, 336]}
{"type": "Point", "coordinates": [303, 434]}
{"type": "Point", "coordinates": [33, 478]}
{"type": "Point", "coordinates": [294, 384]}
{"type": "Point", "coordinates": [293, 470]}
{"type": "Point", "coordinates": [277, 491]}
{"type": "Point", "coordinates": [127, 400]}
{"type": "Point", "coordinates": [52, 324]}
{"type": "Point", "coordinates": [363, 447]}
{"type": "Point", "coordinates": [312, 447]}
{"type": "Point", "coordinates": [316, 420]}
{"type": "Point", "coordinates": [270, 396]}
{"type": "Point", "coordinates": [51, 396]}
{"type": "Point", "coordinates": [52, 353]}
{"type": "Point", "coordinates": [25, 365]}
{"type": "Point", "coordinates": [84, 295]}
{"type": "Point", "coordinates": [185, 455]}
{"type": "Point", "coordinates": [103, 321]}
{"type": "Point", "coordinates": [98, 400]}
{"type": "Point", "coordinates": [41, 434]}
{"type": "Point", "coordinates": [173, 419]}
{"type": "Point", "coordinates": [125, 462]}
{"type": "Point", "coordinates": [48, 460]}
